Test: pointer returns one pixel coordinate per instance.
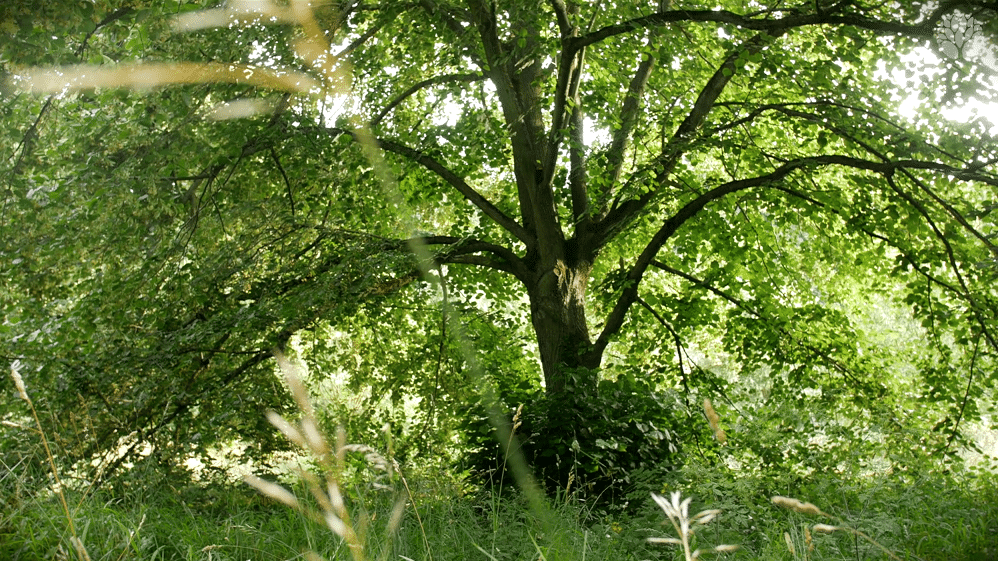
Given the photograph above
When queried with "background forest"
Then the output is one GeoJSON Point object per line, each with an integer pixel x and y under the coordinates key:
{"type": "Point", "coordinates": [470, 279]}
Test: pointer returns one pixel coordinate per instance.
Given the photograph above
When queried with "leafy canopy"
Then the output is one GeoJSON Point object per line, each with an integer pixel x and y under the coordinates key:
{"type": "Point", "coordinates": [712, 199]}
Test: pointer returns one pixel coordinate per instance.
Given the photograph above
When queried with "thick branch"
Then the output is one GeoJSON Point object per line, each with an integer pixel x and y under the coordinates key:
{"type": "Point", "coordinates": [469, 193]}
{"type": "Point", "coordinates": [561, 13]}
{"type": "Point", "coordinates": [569, 76]}
{"type": "Point", "coordinates": [577, 174]}
{"type": "Point", "coordinates": [768, 24]}
{"type": "Point", "coordinates": [630, 294]}
{"type": "Point", "coordinates": [521, 111]}
{"type": "Point", "coordinates": [462, 250]}
{"type": "Point", "coordinates": [629, 113]}
{"type": "Point", "coordinates": [577, 149]}
{"type": "Point", "coordinates": [674, 149]}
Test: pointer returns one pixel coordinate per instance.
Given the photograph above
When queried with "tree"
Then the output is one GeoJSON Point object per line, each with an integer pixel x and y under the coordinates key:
{"type": "Point", "coordinates": [646, 175]}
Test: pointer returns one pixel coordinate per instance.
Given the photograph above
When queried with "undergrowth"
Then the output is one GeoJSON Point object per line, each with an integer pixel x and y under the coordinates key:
{"type": "Point", "coordinates": [935, 518]}
{"type": "Point", "coordinates": [385, 512]}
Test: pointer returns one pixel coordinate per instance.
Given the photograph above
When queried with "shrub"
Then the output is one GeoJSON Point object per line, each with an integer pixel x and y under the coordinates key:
{"type": "Point", "coordinates": [580, 439]}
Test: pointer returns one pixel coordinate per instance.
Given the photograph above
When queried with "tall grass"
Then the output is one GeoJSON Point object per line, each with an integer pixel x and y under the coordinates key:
{"type": "Point", "coordinates": [383, 514]}
{"type": "Point", "coordinates": [932, 518]}
{"type": "Point", "coordinates": [57, 487]}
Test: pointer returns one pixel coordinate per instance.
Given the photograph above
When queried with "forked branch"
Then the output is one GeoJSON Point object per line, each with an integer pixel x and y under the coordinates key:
{"type": "Point", "coordinates": [455, 181]}
{"type": "Point", "coordinates": [621, 213]}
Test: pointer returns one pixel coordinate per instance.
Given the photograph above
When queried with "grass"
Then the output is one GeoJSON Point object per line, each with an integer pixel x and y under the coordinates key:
{"type": "Point", "coordinates": [935, 517]}
{"type": "Point", "coordinates": [929, 519]}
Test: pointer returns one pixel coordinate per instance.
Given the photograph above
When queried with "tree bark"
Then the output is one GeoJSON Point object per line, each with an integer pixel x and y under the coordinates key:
{"type": "Point", "coordinates": [558, 315]}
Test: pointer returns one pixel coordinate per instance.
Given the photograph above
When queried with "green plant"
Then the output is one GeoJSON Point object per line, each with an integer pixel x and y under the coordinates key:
{"type": "Point", "coordinates": [22, 392]}
{"type": "Point", "coordinates": [330, 507]}
{"type": "Point", "coordinates": [590, 442]}
{"type": "Point", "coordinates": [809, 508]}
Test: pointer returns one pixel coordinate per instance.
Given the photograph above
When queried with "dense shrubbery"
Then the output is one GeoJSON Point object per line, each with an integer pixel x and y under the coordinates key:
{"type": "Point", "coordinates": [584, 441]}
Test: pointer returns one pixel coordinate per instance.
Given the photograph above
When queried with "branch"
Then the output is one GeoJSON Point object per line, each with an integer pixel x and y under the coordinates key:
{"type": "Point", "coordinates": [740, 304]}
{"type": "Point", "coordinates": [110, 18]}
{"type": "Point", "coordinates": [629, 113]}
{"type": "Point", "coordinates": [962, 292]}
{"type": "Point", "coordinates": [630, 294]}
{"type": "Point", "coordinates": [673, 150]}
{"type": "Point", "coordinates": [953, 212]}
{"type": "Point", "coordinates": [616, 318]}
{"type": "Point", "coordinates": [561, 13]}
{"type": "Point", "coordinates": [172, 411]}
{"type": "Point", "coordinates": [469, 193]}
{"type": "Point", "coordinates": [577, 174]}
{"type": "Point", "coordinates": [679, 347]}
{"type": "Point", "coordinates": [569, 90]}
{"type": "Point", "coordinates": [524, 122]}
{"type": "Point", "coordinates": [420, 85]}
{"type": "Point", "coordinates": [951, 258]}
{"type": "Point", "coordinates": [966, 397]}
{"type": "Point", "coordinates": [362, 39]}
{"type": "Point", "coordinates": [889, 168]}
{"type": "Point", "coordinates": [816, 119]}
{"type": "Point", "coordinates": [30, 136]}
{"type": "Point", "coordinates": [287, 182]}
{"type": "Point", "coordinates": [449, 20]}
{"type": "Point", "coordinates": [569, 75]}
{"type": "Point", "coordinates": [462, 250]}
{"type": "Point", "coordinates": [769, 25]}
{"type": "Point", "coordinates": [872, 234]}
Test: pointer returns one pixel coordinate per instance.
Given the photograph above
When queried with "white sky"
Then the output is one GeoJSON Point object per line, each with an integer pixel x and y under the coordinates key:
{"type": "Point", "coordinates": [926, 66]}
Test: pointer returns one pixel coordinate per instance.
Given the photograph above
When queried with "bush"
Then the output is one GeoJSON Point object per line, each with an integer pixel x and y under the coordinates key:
{"type": "Point", "coordinates": [579, 439]}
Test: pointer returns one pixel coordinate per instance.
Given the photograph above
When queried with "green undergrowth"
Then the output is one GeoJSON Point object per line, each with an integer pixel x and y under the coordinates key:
{"type": "Point", "coordinates": [930, 517]}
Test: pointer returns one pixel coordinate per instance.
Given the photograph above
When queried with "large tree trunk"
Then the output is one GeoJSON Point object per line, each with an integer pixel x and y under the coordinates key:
{"type": "Point", "coordinates": [558, 314]}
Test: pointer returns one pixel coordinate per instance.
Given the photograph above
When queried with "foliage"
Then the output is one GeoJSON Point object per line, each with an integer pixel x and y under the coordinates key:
{"type": "Point", "coordinates": [626, 190]}
{"type": "Point", "coordinates": [582, 440]}
{"type": "Point", "coordinates": [932, 517]}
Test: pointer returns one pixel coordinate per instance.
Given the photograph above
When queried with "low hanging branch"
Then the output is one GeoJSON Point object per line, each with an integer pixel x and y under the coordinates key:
{"type": "Point", "coordinates": [887, 169]}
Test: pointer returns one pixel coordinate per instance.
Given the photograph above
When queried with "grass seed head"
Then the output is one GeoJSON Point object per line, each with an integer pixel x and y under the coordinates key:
{"type": "Point", "coordinates": [516, 418]}
{"type": "Point", "coordinates": [797, 506]}
{"type": "Point", "coordinates": [790, 544]}
{"type": "Point", "coordinates": [15, 373]}
{"type": "Point", "coordinates": [671, 541]}
{"type": "Point", "coordinates": [272, 490]}
{"type": "Point", "coordinates": [714, 420]}
{"type": "Point", "coordinates": [287, 429]}
{"type": "Point", "coordinates": [314, 438]}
